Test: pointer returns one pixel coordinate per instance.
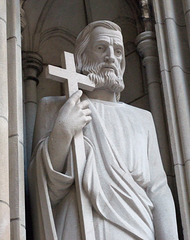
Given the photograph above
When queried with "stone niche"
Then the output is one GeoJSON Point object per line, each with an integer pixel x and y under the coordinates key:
{"type": "Point", "coordinates": [51, 27]}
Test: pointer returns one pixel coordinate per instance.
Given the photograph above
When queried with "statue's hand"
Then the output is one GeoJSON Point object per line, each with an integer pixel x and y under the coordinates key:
{"type": "Point", "coordinates": [73, 116]}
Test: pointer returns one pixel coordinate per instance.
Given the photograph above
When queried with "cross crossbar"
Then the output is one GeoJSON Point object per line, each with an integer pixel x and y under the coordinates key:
{"type": "Point", "coordinates": [72, 80]}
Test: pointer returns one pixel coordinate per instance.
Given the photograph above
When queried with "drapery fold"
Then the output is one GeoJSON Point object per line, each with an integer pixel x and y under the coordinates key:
{"type": "Point", "coordinates": [123, 179]}
{"type": "Point", "coordinates": [117, 187]}
{"type": "Point", "coordinates": [108, 183]}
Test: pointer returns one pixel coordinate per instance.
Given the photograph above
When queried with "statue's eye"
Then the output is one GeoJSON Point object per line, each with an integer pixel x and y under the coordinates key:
{"type": "Point", "coordinates": [118, 52]}
{"type": "Point", "coordinates": [100, 48]}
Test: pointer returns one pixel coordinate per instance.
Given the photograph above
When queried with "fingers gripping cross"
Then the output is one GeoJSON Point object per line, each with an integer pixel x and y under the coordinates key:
{"type": "Point", "coordinates": [73, 81]}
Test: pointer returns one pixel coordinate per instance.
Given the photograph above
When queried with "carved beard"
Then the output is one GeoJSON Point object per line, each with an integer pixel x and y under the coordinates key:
{"type": "Point", "coordinates": [104, 78]}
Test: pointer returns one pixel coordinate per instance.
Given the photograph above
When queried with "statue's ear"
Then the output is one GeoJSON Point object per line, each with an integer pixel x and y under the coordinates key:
{"type": "Point", "coordinates": [48, 109]}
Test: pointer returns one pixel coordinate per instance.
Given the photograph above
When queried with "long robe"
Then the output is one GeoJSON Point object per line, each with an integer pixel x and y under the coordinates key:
{"type": "Point", "coordinates": [123, 173]}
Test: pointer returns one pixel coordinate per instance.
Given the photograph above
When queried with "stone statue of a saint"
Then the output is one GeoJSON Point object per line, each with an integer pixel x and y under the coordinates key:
{"type": "Point", "coordinates": [123, 178]}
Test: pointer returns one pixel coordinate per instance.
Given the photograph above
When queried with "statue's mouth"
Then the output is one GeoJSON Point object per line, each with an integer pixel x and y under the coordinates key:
{"type": "Point", "coordinates": [110, 67]}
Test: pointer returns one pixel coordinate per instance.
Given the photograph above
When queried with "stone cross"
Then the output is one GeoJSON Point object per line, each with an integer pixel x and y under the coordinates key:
{"type": "Point", "coordinates": [73, 81]}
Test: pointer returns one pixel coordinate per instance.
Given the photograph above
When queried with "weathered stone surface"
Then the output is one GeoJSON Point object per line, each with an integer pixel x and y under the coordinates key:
{"type": "Point", "coordinates": [173, 46]}
{"type": "Point", "coordinates": [32, 66]}
{"type": "Point", "coordinates": [111, 175]}
{"type": "Point", "coordinates": [18, 230]}
{"type": "Point", "coordinates": [4, 157]}
{"type": "Point", "coordinates": [15, 89]}
{"type": "Point", "coordinates": [3, 68]}
{"type": "Point", "coordinates": [2, 11]}
{"type": "Point", "coordinates": [16, 152]}
{"type": "Point", "coordinates": [4, 163]}
{"type": "Point", "coordinates": [16, 148]}
{"type": "Point", "coordinates": [50, 34]}
{"type": "Point", "coordinates": [5, 221]}
{"type": "Point", "coordinates": [147, 47]}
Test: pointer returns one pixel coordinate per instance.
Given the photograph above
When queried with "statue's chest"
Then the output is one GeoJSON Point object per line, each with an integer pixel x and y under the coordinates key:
{"type": "Point", "coordinates": [124, 129]}
{"type": "Point", "coordinates": [128, 136]}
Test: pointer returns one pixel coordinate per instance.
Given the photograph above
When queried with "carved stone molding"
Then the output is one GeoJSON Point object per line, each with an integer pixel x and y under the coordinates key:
{"type": "Point", "coordinates": [22, 15]}
{"type": "Point", "coordinates": [32, 66]}
{"type": "Point", "coordinates": [147, 14]}
{"type": "Point", "coordinates": [57, 32]}
{"type": "Point", "coordinates": [147, 49]}
{"type": "Point", "coordinates": [146, 44]}
{"type": "Point", "coordinates": [145, 8]}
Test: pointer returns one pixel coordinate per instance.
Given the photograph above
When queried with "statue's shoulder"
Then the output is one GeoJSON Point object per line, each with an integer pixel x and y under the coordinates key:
{"type": "Point", "coordinates": [48, 108]}
{"type": "Point", "coordinates": [51, 103]}
{"type": "Point", "coordinates": [140, 114]}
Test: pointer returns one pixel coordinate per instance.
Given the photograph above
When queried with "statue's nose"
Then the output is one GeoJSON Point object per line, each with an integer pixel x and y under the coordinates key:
{"type": "Point", "coordinates": [110, 57]}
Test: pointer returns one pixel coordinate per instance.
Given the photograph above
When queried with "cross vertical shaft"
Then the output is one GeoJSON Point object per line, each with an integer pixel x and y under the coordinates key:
{"type": "Point", "coordinates": [73, 81]}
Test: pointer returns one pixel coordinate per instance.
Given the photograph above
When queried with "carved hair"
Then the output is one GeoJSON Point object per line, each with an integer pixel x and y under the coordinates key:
{"type": "Point", "coordinates": [84, 37]}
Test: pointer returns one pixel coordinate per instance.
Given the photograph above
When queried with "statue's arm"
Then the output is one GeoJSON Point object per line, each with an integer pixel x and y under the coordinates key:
{"type": "Point", "coordinates": [72, 117]}
{"type": "Point", "coordinates": [164, 216]}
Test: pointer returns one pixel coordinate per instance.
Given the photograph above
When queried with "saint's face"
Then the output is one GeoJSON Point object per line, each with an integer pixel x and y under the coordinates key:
{"type": "Point", "coordinates": [106, 47]}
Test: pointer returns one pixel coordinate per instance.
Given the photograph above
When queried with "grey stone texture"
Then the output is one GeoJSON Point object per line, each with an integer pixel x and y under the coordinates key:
{"type": "Point", "coordinates": [48, 30]}
{"type": "Point", "coordinates": [173, 45]}
{"type": "Point", "coordinates": [4, 147]}
{"type": "Point", "coordinates": [16, 127]}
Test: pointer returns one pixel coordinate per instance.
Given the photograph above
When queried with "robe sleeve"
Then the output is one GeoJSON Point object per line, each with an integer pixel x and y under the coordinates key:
{"type": "Point", "coordinates": [164, 216]}
{"type": "Point", "coordinates": [58, 183]}
{"type": "Point", "coordinates": [47, 188]}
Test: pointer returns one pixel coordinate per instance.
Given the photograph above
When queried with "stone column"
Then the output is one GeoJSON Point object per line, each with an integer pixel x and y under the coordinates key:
{"type": "Point", "coordinates": [4, 154]}
{"type": "Point", "coordinates": [16, 142]}
{"type": "Point", "coordinates": [147, 48]}
{"type": "Point", "coordinates": [32, 66]}
{"type": "Point", "coordinates": [174, 53]}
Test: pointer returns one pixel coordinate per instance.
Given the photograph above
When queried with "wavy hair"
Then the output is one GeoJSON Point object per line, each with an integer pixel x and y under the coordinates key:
{"type": "Point", "coordinates": [84, 38]}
